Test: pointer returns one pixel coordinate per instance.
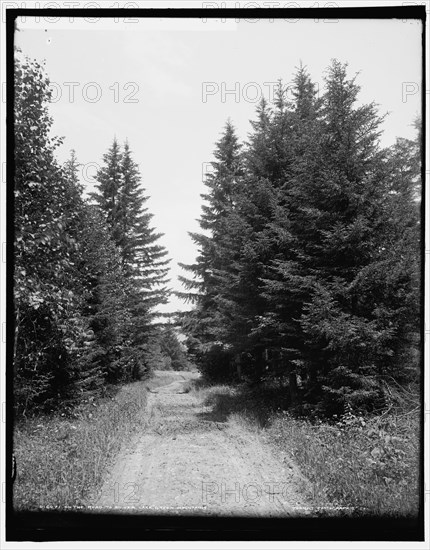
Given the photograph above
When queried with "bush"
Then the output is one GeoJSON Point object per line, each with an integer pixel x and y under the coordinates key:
{"type": "Point", "coordinates": [215, 364]}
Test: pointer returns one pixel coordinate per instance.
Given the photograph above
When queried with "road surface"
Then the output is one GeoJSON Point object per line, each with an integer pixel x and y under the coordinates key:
{"type": "Point", "coordinates": [185, 461]}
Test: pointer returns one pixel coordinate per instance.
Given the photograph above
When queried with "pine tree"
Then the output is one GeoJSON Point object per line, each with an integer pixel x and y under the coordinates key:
{"type": "Point", "coordinates": [310, 261]}
{"type": "Point", "coordinates": [346, 343]}
{"type": "Point", "coordinates": [205, 323]}
{"type": "Point", "coordinates": [286, 285]}
{"type": "Point", "coordinates": [172, 349]}
{"type": "Point", "coordinates": [122, 200]}
{"type": "Point", "coordinates": [268, 164]}
{"type": "Point", "coordinates": [107, 293]}
{"type": "Point", "coordinates": [109, 188]}
{"type": "Point", "coordinates": [144, 259]}
{"type": "Point", "coordinates": [343, 283]}
{"type": "Point", "coordinates": [389, 288]}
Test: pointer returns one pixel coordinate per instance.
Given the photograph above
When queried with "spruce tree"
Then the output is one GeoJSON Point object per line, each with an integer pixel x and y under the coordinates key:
{"type": "Point", "coordinates": [107, 294]}
{"type": "Point", "coordinates": [205, 324]}
{"type": "Point", "coordinates": [109, 188]}
{"type": "Point", "coordinates": [310, 261]}
{"type": "Point", "coordinates": [286, 284]}
{"type": "Point", "coordinates": [342, 205]}
{"type": "Point", "coordinates": [142, 255]}
{"type": "Point", "coordinates": [122, 199]}
{"type": "Point", "coordinates": [260, 202]}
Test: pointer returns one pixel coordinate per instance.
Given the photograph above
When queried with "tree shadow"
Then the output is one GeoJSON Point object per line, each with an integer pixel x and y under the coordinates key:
{"type": "Point", "coordinates": [257, 404]}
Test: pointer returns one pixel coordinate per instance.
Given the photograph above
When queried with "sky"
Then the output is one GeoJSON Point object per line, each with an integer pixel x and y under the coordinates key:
{"type": "Point", "coordinates": [169, 86]}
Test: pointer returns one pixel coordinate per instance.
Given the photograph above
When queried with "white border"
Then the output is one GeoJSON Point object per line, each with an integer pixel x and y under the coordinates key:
{"type": "Point", "coordinates": [197, 545]}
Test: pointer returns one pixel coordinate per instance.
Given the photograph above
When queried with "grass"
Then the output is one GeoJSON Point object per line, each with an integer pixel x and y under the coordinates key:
{"type": "Point", "coordinates": [351, 465]}
{"type": "Point", "coordinates": [369, 466]}
{"type": "Point", "coordinates": [61, 460]}
{"type": "Point", "coordinates": [163, 378]}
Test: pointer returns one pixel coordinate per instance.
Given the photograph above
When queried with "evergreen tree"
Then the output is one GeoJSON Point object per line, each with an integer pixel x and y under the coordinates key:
{"type": "Point", "coordinates": [205, 323]}
{"type": "Point", "coordinates": [347, 342]}
{"type": "Point", "coordinates": [286, 284]}
{"type": "Point", "coordinates": [87, 280]}
{"type": "Point", "coordinates": [122, 200]}
{"type": "Point", "coordinates": [144, 259]}
{"type": "Point", "coordinates": [109, 188]}
{"type": "Point", "coordinates": [310, 260]}
{"type": "Point", "coordinates": [172, 349]}
{"type": "Point", "coordinates": [260, 202]}
{"type": "Point", "coordinates": [107, 294]}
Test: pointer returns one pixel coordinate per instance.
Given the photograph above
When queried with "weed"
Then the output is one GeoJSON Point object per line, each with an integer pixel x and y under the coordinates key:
{"type": "Point", "coordinates": [368, 464]}
{"type": "Point", "coordinates": [365, 465]}
{"type": "Point", "coordinates": [61, 460]}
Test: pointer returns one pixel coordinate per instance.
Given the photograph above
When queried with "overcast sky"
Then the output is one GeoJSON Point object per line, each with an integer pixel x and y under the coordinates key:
{"type": "Point", "coordinates": [163, 86]}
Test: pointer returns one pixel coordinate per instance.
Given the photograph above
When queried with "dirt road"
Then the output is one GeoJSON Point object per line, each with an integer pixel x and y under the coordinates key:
{"type": "Point", "coordinates": [185, 461]}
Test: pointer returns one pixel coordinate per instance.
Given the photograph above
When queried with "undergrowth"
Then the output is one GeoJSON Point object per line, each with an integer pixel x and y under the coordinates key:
{"type": "Point", "coordinates": [355, 464]}
{"type": "Point", "coordinates": [368, 465]}
{"type": "Point", "coordinates": [61, 459]}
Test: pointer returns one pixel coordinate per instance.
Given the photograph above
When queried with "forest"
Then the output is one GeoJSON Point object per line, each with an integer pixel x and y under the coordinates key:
{"type": "Point", "coordinates": [308, 265]}
{"type": "Point", "coordinates": [89, 272]}
{"type": "Point", "coordinates": [303, 320]}
{"type": "Point", "coordinates": [309, 255]}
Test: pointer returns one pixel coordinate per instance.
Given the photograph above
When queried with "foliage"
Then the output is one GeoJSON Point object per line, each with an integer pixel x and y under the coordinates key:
{"type": "Point", "coordinates": [87, 278]}
{"type": "Point", "coordinates": [121, 201]}
{"type": "Point", "coordinates": [50, 333]}
{"type": "Point", "coordinates": [309, 263]}
{"type": "Point", "coordinates": [350, 465]}
{"type": "Point", "coordinates": [356, 465]}
{"type": "Point", "coordinates": [164, 350]}
{"type": "Point", "coordinates": [62, 459]}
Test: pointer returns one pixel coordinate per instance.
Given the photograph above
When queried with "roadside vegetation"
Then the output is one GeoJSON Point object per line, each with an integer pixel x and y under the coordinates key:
{"type": "Point", "coordinates": [306, 291]}
{"type": "Point", "coordinates": [88, 277]}
{"type": "Point", "coordinates": [62, 459]}
{"type": "Point", "coordinates": [89, 271]}
{"type": "Point", "coordinates": [305, 295]}
{"type": "Point", "coordinates": [352, 464]}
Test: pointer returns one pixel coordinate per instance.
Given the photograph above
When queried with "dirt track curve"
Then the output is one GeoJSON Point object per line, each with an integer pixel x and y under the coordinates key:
{"type": "Point", "coordinates": [185, 462]}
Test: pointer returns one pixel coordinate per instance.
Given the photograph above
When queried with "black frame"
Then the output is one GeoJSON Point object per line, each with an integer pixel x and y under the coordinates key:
{"type": "Point", "coordinates": [65, 526]}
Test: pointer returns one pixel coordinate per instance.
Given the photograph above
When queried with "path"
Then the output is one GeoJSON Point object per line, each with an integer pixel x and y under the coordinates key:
{"type": "Point", "coordinates": [184, 462]}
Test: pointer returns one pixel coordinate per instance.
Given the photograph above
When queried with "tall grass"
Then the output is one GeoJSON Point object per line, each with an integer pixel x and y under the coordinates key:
{"type": "Point", "coordinates": [368, 466]}
{"type": "Point", "coordinates": [353, 464]}
{"type": "Point", "coordinates": [61, 460]}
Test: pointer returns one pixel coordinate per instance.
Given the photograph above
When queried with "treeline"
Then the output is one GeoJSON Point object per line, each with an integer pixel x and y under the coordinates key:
{"type": "Point", "coordinates": [88, 274]}
{"type": "Point", "coordinates": [309, 255]}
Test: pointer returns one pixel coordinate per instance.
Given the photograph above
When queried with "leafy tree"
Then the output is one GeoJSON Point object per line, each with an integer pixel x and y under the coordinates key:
{"type": "Point", "coordinates": [48, 327]}
{"type": "Point", "coordinates": [72, 298]}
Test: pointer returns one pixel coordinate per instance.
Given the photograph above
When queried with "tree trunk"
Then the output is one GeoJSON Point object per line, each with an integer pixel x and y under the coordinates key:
{"type": "Point", "coordinates": [238, 363]}
{"type": "Point", "coordinates": [294, 393]}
